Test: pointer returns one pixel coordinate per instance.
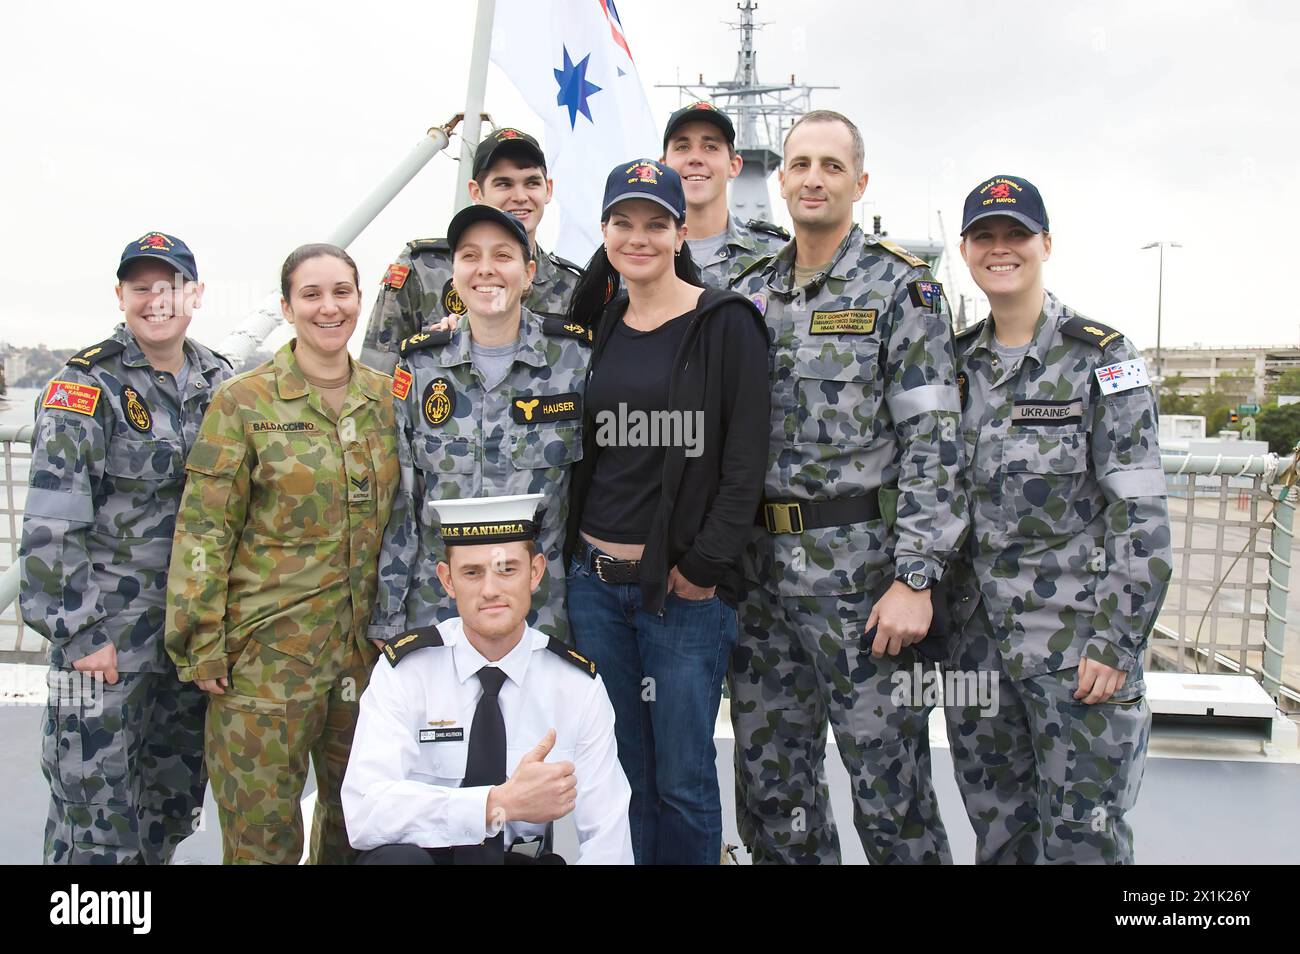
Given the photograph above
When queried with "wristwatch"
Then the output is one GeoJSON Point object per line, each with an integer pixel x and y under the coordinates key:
{"type": "Point", "coordinates": [917, 581]}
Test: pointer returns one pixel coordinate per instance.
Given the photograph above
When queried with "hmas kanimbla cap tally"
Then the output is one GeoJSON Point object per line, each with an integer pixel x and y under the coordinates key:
{"type": "Point", "coordinates": [474, 520]}
{"type": "Point", "coordinates": [1006, 195]}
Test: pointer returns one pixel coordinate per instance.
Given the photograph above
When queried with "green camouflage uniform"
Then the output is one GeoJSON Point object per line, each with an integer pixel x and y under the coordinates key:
{"type": "Point", "coordinates": [124, 761]}
{"type": "Point", "coordinates": [480, 443]}
{"type": "Point", "coordinates": [273, 575]}
{"type": "Point", "coordinates": [864, 397]}
{"type": "Point", "coordinates": [744, 246]}
{"type": "Point", "coordinates": [417, 294]}
{"type": "Point", "coordinates": [1068, 557]}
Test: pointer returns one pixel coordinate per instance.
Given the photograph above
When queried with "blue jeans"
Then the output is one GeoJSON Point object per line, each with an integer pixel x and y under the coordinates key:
{"type": "Point", "coordinates": [664, 677]}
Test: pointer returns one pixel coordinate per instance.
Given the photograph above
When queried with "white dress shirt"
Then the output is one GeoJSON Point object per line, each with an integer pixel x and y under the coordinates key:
{"type": "Point", "coordinates": [412, 740]}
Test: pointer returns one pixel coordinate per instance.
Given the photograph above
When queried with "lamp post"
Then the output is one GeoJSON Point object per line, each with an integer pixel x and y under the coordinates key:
{"type": "Point", "coordinates": [1160, 296]}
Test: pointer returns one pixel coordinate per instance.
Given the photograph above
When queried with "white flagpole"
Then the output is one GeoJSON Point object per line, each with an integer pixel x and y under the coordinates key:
{"type": "Point", "coordinates": [477, 89]}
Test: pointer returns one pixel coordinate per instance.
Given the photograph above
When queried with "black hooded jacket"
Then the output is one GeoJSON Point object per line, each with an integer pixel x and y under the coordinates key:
{"type": "Point", "coordinates": [707, 504]}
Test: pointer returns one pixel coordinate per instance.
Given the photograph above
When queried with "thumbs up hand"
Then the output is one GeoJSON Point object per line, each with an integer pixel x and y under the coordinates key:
{"type": "Point", "coordinates": [537, 792]}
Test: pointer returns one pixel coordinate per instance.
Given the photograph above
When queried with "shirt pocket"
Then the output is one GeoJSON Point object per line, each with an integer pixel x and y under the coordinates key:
{"type": "Point", "coordinates": [143, 481]}
{"type": "Point", "coordinates": [1045, 483]}
{"type": "Point", "coordinates": [444, 761]}
{"type": "Point", "coordinates": [838, 391]}
{"type": "Point", "coordinates": [298, 489]}
{"type": "Point", "coordinates": [539, 446]}
{"type": "Point", "coordinates": [444, 455]}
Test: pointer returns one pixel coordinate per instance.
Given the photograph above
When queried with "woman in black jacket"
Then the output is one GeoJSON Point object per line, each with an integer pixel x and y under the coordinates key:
{"type": "Point", "coordinates": [663, 503]}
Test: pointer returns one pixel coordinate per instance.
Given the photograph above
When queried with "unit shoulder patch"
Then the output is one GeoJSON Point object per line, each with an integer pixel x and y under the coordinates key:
{"type": "Point", "coordinates": [396, 276]}
{"type": "Point", "coordinates": [558, 327]}
{"type": "Point", "coordinates": [399, 647]}
{"type": "Point", "coordinates": [95, 353]}
{"type": "Point", "coordinates": [401, 383]}
{"type": "Point", "coordinates": [1093, 332]}
{"type": "Point", "coordinates": [423, 339]}
{"type": "Point", "coordinates": [572, 656]}
{"type": "Point", "coordinates": [72, 396]}
{"type": "Point", "coordinates": [902, 253]}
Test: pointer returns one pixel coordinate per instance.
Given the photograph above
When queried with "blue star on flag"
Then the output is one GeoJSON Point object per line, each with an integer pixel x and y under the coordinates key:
{"type": "Point", "coordinates": [574, 88]}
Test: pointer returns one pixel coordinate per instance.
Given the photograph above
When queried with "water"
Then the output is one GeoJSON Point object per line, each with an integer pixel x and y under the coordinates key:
{"type": "Point", "coordinates": [18, 405]}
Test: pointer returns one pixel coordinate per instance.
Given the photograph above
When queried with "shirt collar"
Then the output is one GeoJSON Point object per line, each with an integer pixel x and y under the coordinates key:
{"type": "Point", "coordinates": [545, 267]}
{"type": "Point", "coordinates": [200, 359]}
{"type": "Point", "coordinates": [532, 346]}
{"type": "Point", "coordinates": [469, 660]}
{"type": "Point", "coordinates": [780, 274]}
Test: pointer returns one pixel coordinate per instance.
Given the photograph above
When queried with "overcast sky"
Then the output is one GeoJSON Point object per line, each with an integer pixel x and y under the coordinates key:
{"type": "Point", "coordinates": [249, 128]}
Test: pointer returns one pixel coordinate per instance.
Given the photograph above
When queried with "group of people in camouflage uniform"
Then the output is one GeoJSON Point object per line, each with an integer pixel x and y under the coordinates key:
{"type": "Point", "coordinates": [990, 503]}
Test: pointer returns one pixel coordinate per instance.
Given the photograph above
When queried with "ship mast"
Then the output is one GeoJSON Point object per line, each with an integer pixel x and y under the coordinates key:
{"type": "Point", "coordinates": [761, 113]}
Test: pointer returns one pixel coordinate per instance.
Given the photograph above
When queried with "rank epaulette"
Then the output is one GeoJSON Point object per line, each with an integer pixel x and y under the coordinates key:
{"type": "Point", "coordinates": [971, 331]}
{"type": "Point", "coordinates": [570, 266]}
{"type": "Point", "coordinates": [96, 353]}
{"type": "Point", "coordinates": [423, 339]}
{"type": "Point", "coordinates": [771, 228]}
{"type": "Point", "coordinates": [558, 327]}
{"type": "Point", "coordinates": [429, 245]}
{"type": "Point", "coordinates": [571, 655]}
{"type": "Point", "coordinates": [1093, 332]}
{"type": "Point", "coordinates": [399, 647]}
{"type": "Point", "coordinates": [904, 254]}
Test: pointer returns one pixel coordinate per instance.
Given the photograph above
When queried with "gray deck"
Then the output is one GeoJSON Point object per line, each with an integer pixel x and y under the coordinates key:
{"type": "Point", "coordinates": [1191, 810]}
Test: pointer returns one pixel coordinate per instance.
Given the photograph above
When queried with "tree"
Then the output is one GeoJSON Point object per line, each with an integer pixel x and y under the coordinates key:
{"type": "Point", "coordinates": [1214, 406]}
{"type": "Point", "coordinates": [1280, 426]}
{"type": "Point", "coordinates": [1287, 383]}
{"type": "Point", "coordinates": [1169, 398]}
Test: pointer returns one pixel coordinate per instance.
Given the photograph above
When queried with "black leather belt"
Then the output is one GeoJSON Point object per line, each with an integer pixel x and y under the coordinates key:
{"type": "Point", "coordinates": [608, 569]}
{"type": "Point", "coordinates": [796, 516]}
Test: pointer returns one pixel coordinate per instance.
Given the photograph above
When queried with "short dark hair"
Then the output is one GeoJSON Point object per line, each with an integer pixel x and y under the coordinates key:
{"type": "Point", "coordinates": [304, 253]}
{"type": "Point", "coordinates": [830, 116]}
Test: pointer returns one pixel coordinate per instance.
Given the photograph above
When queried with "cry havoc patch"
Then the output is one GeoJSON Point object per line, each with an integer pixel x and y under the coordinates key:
{"type": "Point", "coordinates": [438, 401]}
{"type": "Point", "coordinates": [544, 408]}
{"type": "Point", "coordinates": [851, 321]}
{"type": "Point", "coordinates": [1047, 413]}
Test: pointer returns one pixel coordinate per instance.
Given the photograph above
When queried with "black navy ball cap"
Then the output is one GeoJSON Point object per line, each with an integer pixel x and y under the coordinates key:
{"type": "Point", "coordinates": [704, 112]}
{"type": "Point", "coordinates": [1005, 195]}
{"type": "Point", "coordinates": [507, 142]}
{"type": "Point", "coordinates": [645, 179]}
{"type": "Point", "coordinates": [487, 213]}
{"type": "Point", "coordinates": [165, 248]}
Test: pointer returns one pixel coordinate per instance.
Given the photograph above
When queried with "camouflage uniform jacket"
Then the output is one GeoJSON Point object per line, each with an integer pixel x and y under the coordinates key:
{"type": "Point", "coordinates": [108, 465]}
{"type": "Point", "coordinates": [417, 293]}
{"type": "Point", "coordinates": [278, 533]}
{"type": "Point", "coordinates": [864, 396]}
{"type": "Point", "coordinates": [456, 439]}
{"type": "Point", "coordinates": [744, 245]}
{"type": "Point", "coordinates": [1070, 525]}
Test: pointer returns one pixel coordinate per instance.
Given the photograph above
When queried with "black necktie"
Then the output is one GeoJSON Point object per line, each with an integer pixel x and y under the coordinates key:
{"type": "Point", "coordinates": [486, 763]}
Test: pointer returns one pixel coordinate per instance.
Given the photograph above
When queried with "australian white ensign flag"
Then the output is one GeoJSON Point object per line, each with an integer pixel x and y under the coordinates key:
{"type": "Point", "coordinates": [572, 63]}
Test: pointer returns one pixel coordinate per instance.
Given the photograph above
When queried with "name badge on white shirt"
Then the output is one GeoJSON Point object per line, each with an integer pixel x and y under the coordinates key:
{"type": "Point", "coordinates": [443, 735]}
{"type": "Point", "coordinates": [1123, 376]}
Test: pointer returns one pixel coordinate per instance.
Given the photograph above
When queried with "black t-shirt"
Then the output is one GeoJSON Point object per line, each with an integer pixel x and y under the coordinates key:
{"type": "Point", "coordinates": [627, 388]}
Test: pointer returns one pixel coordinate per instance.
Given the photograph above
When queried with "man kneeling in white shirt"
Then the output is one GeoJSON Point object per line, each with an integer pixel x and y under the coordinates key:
{"type": "Point", "coordinates": [457, 703]}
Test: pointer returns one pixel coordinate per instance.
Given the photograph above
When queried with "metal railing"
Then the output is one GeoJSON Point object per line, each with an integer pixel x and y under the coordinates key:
{"type": "Point", "coordinates": [1226, 610]}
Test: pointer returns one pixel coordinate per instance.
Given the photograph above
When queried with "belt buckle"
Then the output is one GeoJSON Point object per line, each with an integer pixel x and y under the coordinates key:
{"type": "Point", "coordinates": [598, 565]}
{"type": "Point", "coordinates": [783, 517]}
